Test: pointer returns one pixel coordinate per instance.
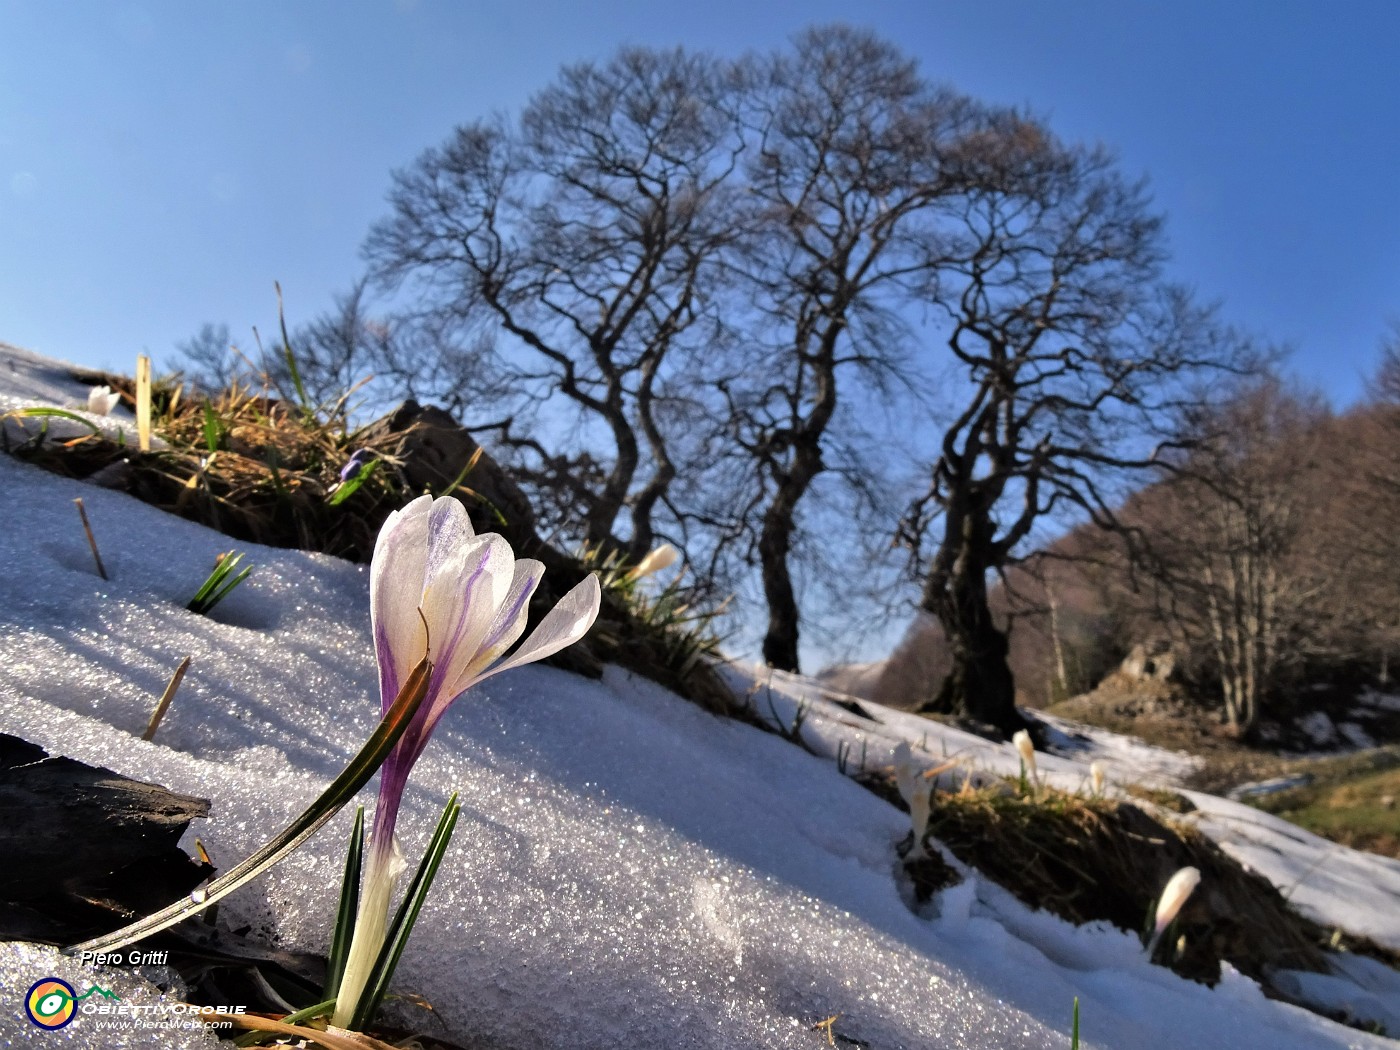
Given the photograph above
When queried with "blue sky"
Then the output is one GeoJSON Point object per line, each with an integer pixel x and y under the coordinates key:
{"type": "Point", "coordinates": [161, 164]}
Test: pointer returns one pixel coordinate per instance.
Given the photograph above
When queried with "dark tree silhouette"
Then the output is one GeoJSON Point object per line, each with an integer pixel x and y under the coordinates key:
{"type": "Point", "coordinates": [1074, 356]}
{"type": "Point", "coordinates": [586, 244]}
{"type": "Point", "coordinates": [849, 168]}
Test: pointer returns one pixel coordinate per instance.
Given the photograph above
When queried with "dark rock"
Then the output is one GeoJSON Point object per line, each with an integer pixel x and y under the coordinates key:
{"type": "Point", "coordinates": [432, 453]}
{"type": "Point", "coordinates": [87, 849]}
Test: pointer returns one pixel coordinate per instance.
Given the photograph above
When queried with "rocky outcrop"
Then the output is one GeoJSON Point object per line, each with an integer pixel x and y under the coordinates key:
{"type": "Point", "coordinates": [433, 453]}
{"type": "Point", "coordinates": [1149, 662]}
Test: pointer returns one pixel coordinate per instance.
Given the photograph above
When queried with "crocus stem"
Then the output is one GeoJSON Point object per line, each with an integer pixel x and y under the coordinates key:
{"type": "Point", "coordinates": [371, 923]}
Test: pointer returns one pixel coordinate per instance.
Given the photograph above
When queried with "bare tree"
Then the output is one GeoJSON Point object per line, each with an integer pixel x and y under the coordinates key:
{"type": "Point", "coordinates": [582, 247]}
{"type": "Point", "coordinates": [848, 169]}
{"type": "Point", "coordinates": [208, 358]}
{"type": "Point", "coordinates": [1075, 357]}
{"type": "Point", "coordinates": [1232, 533]}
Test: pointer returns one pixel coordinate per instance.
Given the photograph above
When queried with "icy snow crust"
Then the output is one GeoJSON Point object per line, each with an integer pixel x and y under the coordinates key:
{"type": "Point", "coordinates": [628, 871]}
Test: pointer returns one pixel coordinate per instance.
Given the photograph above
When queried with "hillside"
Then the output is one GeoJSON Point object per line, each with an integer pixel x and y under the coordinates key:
{"type": "Point", "coordinates": [630, 870]}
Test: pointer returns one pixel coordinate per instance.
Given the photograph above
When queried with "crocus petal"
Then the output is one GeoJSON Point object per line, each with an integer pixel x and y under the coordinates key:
{"type": "Point", "coordinates": [461, 602]}
{"type": "Point", "coordinates": [1179, 887]}
{"type": "Point", "coordinates": [101, 400]}
{"type": "Point", "coordinates": [566, 623]}
{"type": "Point", "coordinates": [904, 773]}
{"type": "Point", "coordinates": [448, 528]}
{"type": "Point", "coordinates": [662, 557]}
{"type": "Point", "coordinates": [396, 590]}
{"type": "Point", "coordinates": [509, 624]}
{"type": "Point", "coordinates": [1022, 740]}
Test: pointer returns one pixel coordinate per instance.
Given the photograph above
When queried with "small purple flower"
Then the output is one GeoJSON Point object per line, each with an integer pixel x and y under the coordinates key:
{"type": "Point", "coordinates": [357, 462]}
{"type": "Point", "coordinates": [430, 568]}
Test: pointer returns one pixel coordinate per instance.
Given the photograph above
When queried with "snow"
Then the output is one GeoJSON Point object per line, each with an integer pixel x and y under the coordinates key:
{"type": "Point", "coordinates": [28, 380]}
{"type": "Point", "coordinates": [629, 870]}
{"type": "Point", "coordinates": [1331, 884]}
{"type": "Point", "coordinates": [1318, 728]}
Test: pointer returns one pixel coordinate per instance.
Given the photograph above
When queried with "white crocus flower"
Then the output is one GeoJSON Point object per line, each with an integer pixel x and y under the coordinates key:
{"type": "Point", "coordinates": [1179, 887]}
{"type": "Point", "coordinates": [662, 557]}
{"type": "Point", "coordinates": [1099, 778]}
{"type": "Point", "coordinates": [102, 399]}
{"type": "Point", "coordinates": [915, 791]}
{"type": "Point", "coordinates": [434, 583]}
{"type": "Point", "coordinates": [1022, 740]}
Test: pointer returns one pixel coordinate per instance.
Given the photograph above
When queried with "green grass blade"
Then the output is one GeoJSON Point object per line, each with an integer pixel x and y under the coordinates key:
{"type": "Point", "coordinates": [1074, 1030]}
{"type": "Point", "coordinates": [378, 983]}
{"type": "Point", "coordinates": [349, 905]}
{"type": "Point", "coordinates": [221, 569]}
{"type": "Point", "coordinates": [224, 591]}
{"type": "Point", "coordinates": [214, 589]}
{"type": "Point", "coordinates": [306, 407]}
{"type": "Point", "coordinates": [341, 790]}
{"type": "Point", "coordinates": [213, 429]}
{"type": "Point", "coordinates": [60, 414]}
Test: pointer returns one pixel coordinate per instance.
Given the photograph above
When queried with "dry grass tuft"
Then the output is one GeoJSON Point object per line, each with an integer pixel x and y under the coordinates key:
{"type": "Point", "coordinates": [1088, 860]}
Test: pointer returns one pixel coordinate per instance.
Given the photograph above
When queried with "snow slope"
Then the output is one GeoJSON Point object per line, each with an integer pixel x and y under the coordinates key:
{"type": "Point", "coordinates": [629, 871]}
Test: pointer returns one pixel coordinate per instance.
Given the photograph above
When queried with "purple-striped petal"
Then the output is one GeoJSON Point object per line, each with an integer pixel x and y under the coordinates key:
{"type": "Point", "coordinates": [565, 624]}
{"type": "Point", "coordinates": [396, 578]}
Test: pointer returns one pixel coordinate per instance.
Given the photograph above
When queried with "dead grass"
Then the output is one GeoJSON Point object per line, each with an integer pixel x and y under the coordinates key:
{"type": "Point", "coordinates": [244, 463]}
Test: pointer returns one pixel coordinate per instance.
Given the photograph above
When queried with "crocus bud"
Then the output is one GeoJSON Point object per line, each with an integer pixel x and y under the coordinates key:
{"type": "Point", "coordinates": [1022, 740]}
{"type": "Point", "coordinates": [915, 791]}
{"type": "Point", "coordinates": [102, 399]}
{"type": "Point", "coordinates": [1179, 888]}
{"type": "Point", "coordinates": [1099, 778]}
{"type": "Point", "coordinates": [662, 557]}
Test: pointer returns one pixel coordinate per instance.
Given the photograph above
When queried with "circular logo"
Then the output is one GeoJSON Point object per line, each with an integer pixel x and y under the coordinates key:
{"type": "Point", "coordinates": [49, 1003]}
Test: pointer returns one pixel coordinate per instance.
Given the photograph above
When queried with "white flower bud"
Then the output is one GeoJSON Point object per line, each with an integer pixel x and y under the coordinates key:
{"type": "Point", "coordinates": [102, 399]}
{"type": "Point", "coordinates": [1179, 888]}
{"type": "Point", "coordinates": [662, 557]}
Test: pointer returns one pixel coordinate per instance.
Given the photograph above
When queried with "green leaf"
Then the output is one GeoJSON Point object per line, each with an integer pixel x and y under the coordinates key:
{"type": "Point", "coordinates": [349, 905]}
{"type": "Point", "coordinates": [61, 414]}
{"type": "Point", "coordinates": [218, 584]}
{"type": "Point", "coordinates": [213, 428]}
{"type": "Point", "coordinates": [378, 982]}
{"type": "Point", "coordinates": [1074, 1032]}
{"type": "Point", "coordinates": [306, 407]}
{"type": "Point", "coordinates": [341, 790]}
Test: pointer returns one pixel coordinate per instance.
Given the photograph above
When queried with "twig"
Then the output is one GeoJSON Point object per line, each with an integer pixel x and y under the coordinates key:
{"type": "Point", "coordinates": [165, 699]}
{"type": "Point", "coordinates": [92, 540]}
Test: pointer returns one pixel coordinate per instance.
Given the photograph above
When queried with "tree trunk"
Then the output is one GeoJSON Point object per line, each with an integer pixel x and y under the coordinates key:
{"type": "Point", "coordinates": [774, 543]}
{"type": "Point", "coordinates": [602, 515]}
{"type": "Point", "coordinates": [980, 683]}
{"type": "Point", "coordinates": [775, 539]}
